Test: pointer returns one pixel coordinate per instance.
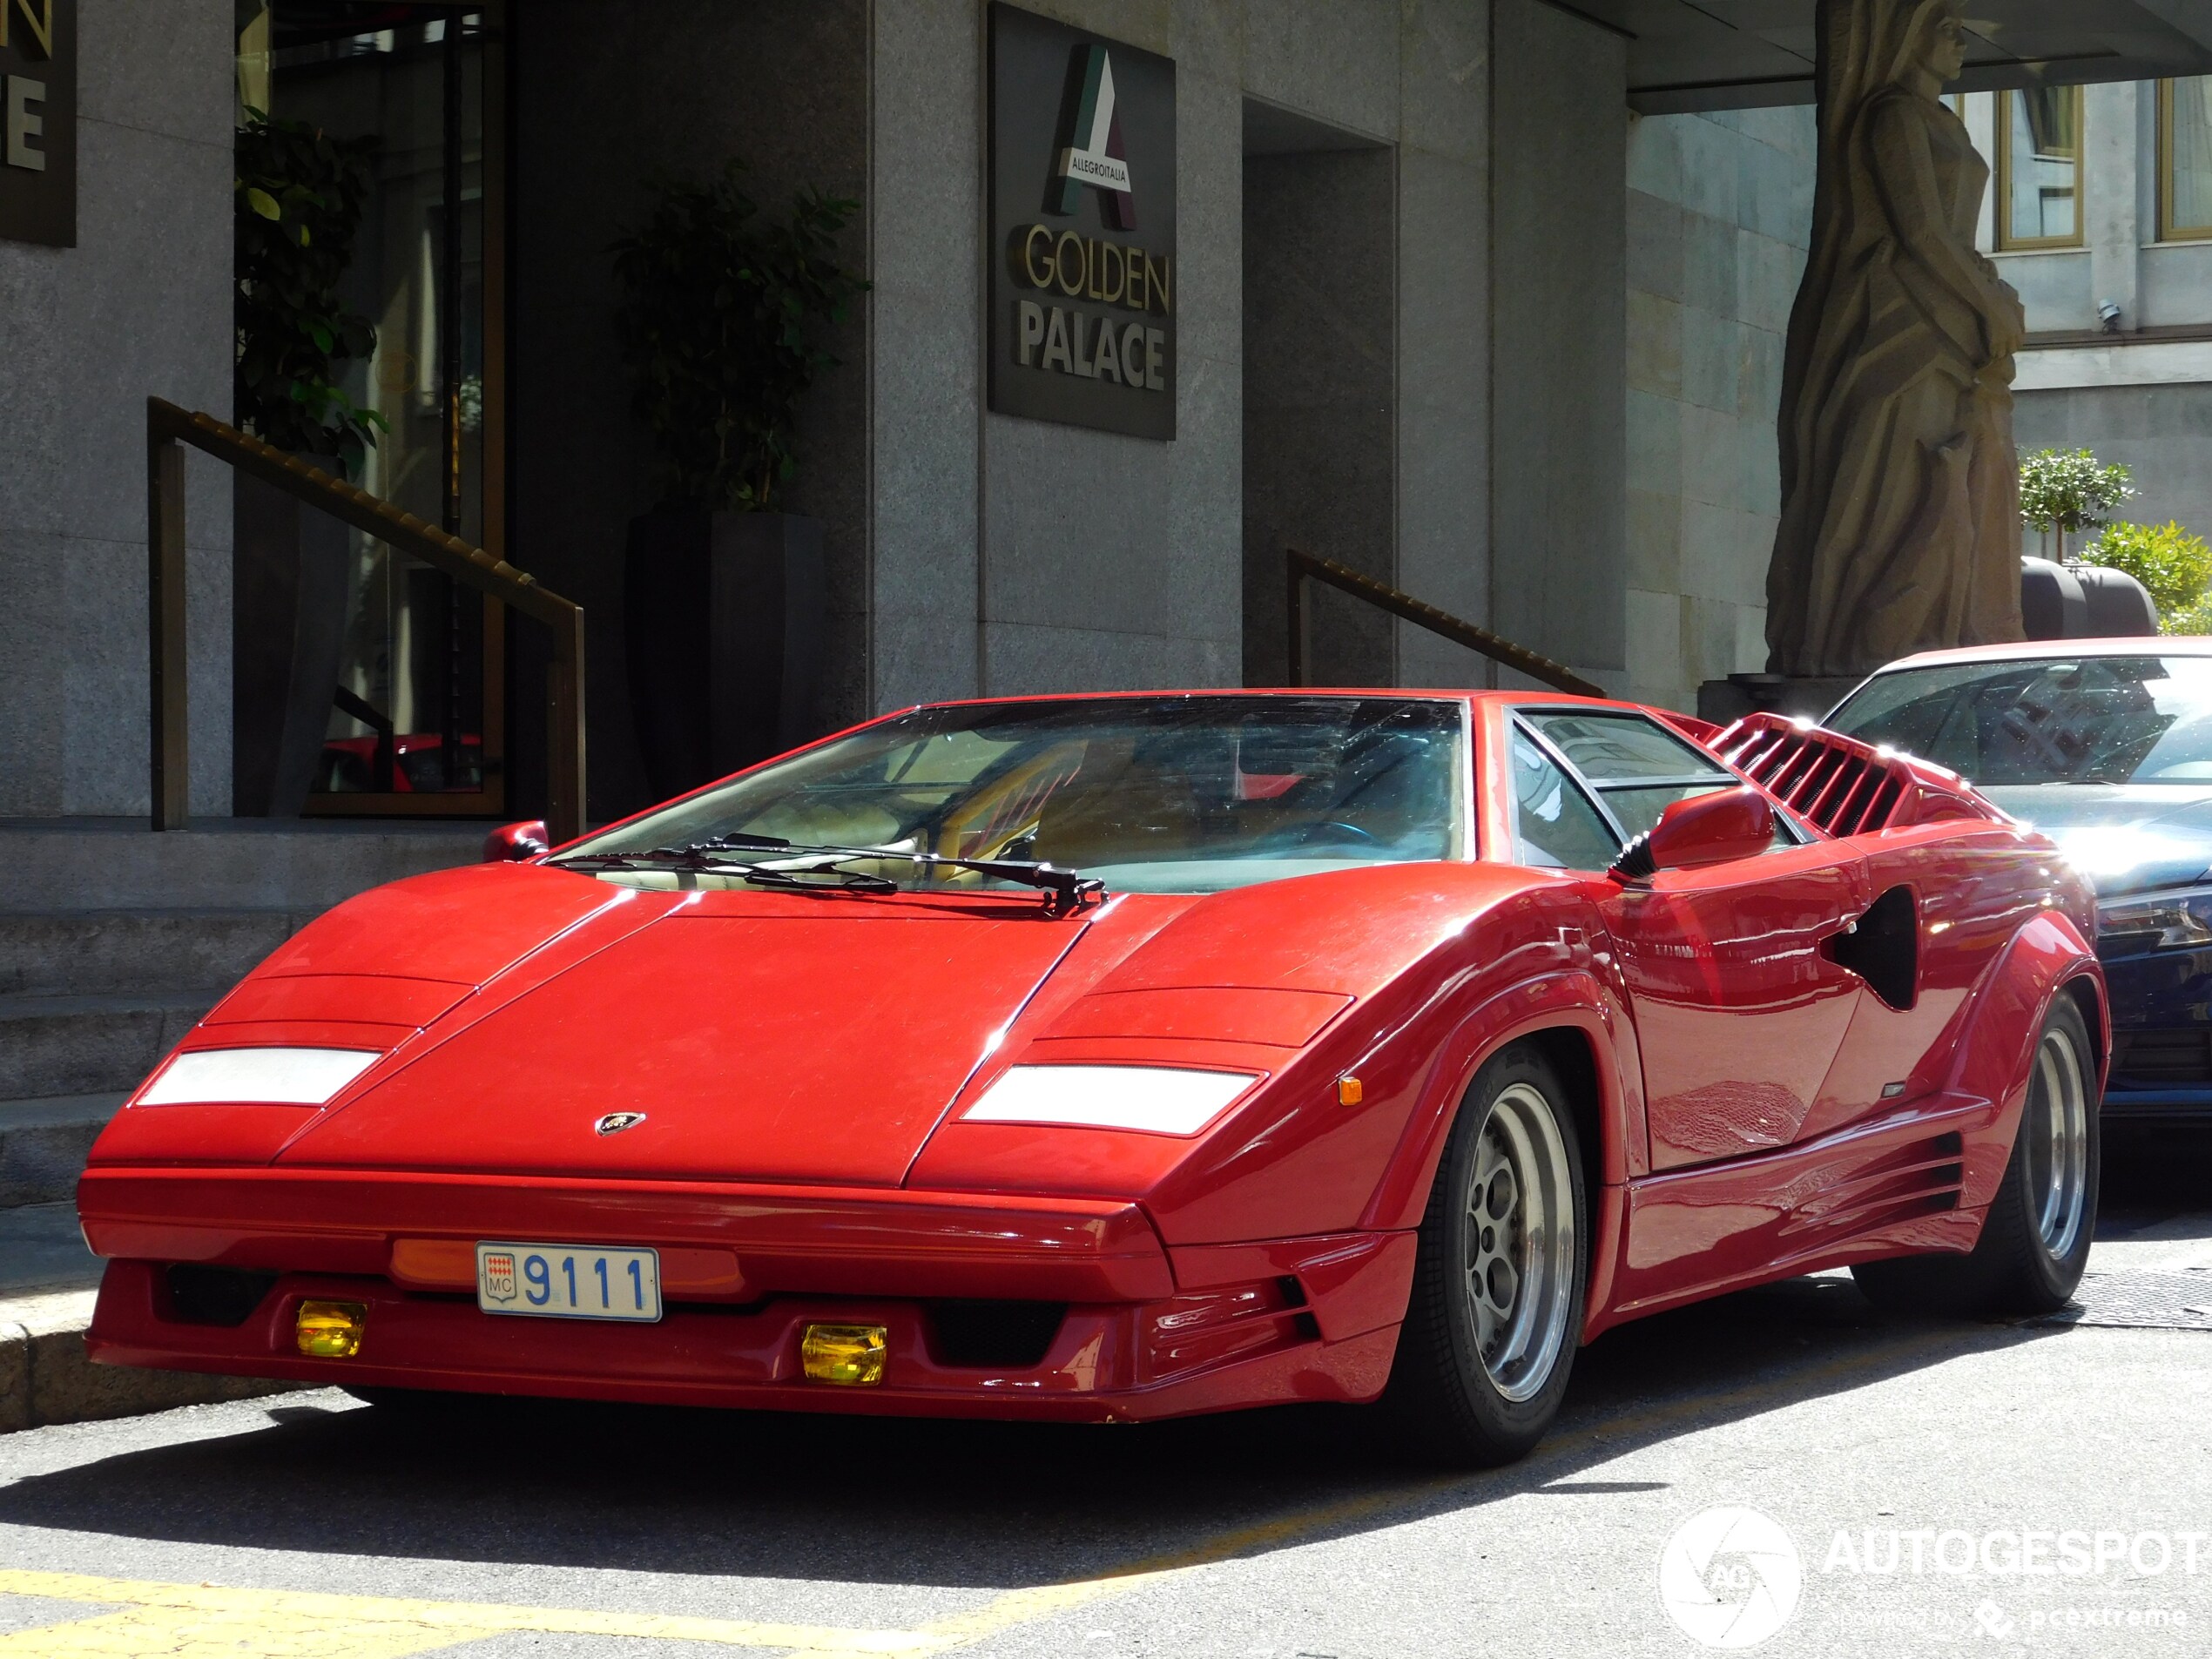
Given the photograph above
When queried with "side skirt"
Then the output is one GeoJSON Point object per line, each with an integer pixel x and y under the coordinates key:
{"type": "Point", "coordinates": [1902, 1184]}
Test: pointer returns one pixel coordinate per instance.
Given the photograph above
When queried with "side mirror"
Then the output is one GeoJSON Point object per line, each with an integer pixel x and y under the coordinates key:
{"type": "Point", "coordinates": [1727, 825]}
{"type": "Point", "coordinates": [511, 843]}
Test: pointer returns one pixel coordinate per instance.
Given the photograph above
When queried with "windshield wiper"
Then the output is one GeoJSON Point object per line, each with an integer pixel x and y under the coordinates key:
{"type": "Point", "coordinates": [1065, 891]}
{"type": "Point", "coordinates": [807, 879]}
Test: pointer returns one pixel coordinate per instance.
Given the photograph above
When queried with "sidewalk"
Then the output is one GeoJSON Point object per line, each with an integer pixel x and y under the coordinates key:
{"type": "Point", "coordinates": [47, 1285]}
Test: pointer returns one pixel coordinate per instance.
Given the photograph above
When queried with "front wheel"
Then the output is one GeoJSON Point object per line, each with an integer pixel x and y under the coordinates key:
{"type": "Point", "coordinates": [1496, 1311]}
{"type": "Point", "coordinates": [2034, 1242]}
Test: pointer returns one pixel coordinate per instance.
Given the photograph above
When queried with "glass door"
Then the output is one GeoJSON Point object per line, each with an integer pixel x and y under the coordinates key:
{"type": "Point", "coordinates": [417, 719]}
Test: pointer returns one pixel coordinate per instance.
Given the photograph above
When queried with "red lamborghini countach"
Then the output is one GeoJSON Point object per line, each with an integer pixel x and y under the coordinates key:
{"type": "Point", "coordinates": [1116, 1057]}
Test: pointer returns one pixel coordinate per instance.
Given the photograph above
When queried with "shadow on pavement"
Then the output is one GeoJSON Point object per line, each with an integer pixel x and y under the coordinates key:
{"type": "Point", "coordinates": [926, 1502]}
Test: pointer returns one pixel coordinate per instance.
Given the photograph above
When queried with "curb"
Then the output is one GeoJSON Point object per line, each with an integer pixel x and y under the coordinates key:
{"type": "Point", "coordinates": [46, 1379]}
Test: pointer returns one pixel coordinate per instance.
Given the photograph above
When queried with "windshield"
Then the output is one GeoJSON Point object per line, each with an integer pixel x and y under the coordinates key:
{"type": "Point", "coordinates": [1170, 794]}
{"type": "Point", "coordinates": [2047, 720]}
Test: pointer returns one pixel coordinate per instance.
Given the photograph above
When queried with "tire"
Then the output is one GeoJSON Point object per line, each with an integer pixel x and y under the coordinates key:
{"type": "Point", "coordinates": [2035, 1240]}
{"type": "Point", "coordinates": [1479, 1377]}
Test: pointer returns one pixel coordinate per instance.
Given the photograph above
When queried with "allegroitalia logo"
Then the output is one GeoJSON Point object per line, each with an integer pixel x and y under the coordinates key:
{"type": "Point", "coordinates": [1091, 154]}
{"type": "Point", "coordinates": [1082, 305]}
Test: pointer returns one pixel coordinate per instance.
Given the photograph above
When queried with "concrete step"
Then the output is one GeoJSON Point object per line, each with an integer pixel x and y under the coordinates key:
{"type": "Point", "coordinates": [42, 1251]}
{"type": "Point", "coordinates": [52, 1046]}
{"type": "Point", "coordinates": [43, 1144]}
{"type": "Point", "coordinates": [95, 953]}
{"type": "Point", "coordinates": [48, 864]}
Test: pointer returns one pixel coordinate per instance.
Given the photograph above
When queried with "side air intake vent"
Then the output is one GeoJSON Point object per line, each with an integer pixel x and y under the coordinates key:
{"type": "Point", "coordinates": [1838, 785]}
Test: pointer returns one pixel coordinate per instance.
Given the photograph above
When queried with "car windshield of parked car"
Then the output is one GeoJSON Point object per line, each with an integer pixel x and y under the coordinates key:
{"type": "Point", "coordinates": [2059, 719]}
{"type": "Point", "coordinates": [1170, 794]}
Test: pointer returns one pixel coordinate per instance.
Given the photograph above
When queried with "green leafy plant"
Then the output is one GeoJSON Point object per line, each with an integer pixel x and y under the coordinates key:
{"type": "Point", "coordinates": [299, 195]}
{"type": "Point", "coordinates": [2172, 563]}
{"type": "Point", "coordinates": [2069, 491]}
{"type": "Point", "coordinates": [723, 312]}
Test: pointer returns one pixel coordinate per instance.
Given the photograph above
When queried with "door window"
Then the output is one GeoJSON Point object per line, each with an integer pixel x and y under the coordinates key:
{"type": "Point", "coordinates": [1637, 767]}
{"type": "Point", "coordinates": [1554, 826]}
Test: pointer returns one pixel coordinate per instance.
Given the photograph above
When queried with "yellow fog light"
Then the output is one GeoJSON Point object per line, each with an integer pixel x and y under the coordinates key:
{"type": "Point", "coordinates": [331, 1330]}
{"type": "Point", "coordinates": [851, 1354]}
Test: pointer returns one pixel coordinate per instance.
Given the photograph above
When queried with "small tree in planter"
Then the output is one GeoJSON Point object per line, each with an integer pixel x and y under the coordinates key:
{"type": "Point", "coordinates": [2070, 491]}
{"type": "Point", "coordinates": [298, 196]}
{"type": "Point", "coordinates": [2173, 565]}
{"type": "Point", "coordinates": [723, 312]}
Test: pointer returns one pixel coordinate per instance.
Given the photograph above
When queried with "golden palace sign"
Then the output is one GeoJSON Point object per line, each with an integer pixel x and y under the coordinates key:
{"type": "Point", "coordinates": [1082, 228]}
{"type": "Point", "coordinates": [38, 121]}
{"type": "Point", "coordinates": [1081, 342]}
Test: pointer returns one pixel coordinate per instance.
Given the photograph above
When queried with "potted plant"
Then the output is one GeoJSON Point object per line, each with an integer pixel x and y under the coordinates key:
{"type": "Point", "coordinates": [722, 311]}
{"type": "Point", "coordinates": [299, 198]}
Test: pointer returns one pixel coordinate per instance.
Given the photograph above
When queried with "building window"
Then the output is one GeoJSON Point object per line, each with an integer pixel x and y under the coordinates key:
{"type": "Point", "coordinates": [2185, 159]}
{"type": "Point", "coordinates": [2039, 167]}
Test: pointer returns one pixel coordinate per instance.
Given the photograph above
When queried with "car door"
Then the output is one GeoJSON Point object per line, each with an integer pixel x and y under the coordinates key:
{"type": "Point", "coordinates": [1739, 1011]}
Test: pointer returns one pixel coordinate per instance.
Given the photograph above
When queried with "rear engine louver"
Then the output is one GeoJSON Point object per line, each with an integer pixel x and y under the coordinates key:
{"type": "Point", "coordinates": [1838, 785]}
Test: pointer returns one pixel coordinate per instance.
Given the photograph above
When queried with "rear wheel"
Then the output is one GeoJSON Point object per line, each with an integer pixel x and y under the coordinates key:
{"type": "Point", "coordinates": [2034, 1243]}
{"type": "Point", "coordinates": [1491, 1331]}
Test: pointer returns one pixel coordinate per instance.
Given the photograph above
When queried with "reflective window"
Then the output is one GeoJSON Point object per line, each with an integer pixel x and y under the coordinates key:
{"type": "Point", "coordinates": [2185, 158]}
{"type": "Point", "coordinates": [1172, 794]}
{"type": "Point", "coordinates": [1637, 766]}
{"type": "Point", "coordinates": [415, 668]}
{"type": "Point", "coordinates": [2049, 719]}
{"type": "Point", "coordinates": [1554, 826]}
{"type": "Point", "coordinates": [2039, 167]}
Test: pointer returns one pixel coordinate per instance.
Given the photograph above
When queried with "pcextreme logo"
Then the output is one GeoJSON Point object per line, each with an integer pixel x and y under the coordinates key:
{"type": "Point", "coordinates": [1091, 155]}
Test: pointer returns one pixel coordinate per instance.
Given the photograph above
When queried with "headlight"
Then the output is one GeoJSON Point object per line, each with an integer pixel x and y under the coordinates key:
{"type": "Point", "coordinates": [2163, 919]}
{"type": "Point", "coordinates": [280, 1076]}
{"type": "Point", "coordinates": [1157, 1099]}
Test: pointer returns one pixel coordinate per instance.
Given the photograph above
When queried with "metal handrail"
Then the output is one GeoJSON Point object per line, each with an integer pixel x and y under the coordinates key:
{"type": "Point", "coordinates": [1303, 567]}
{"type": "Point", "coordinates": [168, 427]}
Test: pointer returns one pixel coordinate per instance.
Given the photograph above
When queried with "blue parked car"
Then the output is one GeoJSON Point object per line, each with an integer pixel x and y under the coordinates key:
{"type": "Point", "coordinates": [2104, 746]}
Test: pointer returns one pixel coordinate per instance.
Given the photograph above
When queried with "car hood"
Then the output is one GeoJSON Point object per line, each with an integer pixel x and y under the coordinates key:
{"type": "Point", "coordinates": [754, 1042]}
{"type": "Point", "coordinates": [778, 1038]}
{"type": "Point", "coordinates": [2125, 837]}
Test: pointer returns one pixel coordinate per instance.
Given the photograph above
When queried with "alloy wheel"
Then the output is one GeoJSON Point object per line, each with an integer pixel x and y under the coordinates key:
{"type": "Point", "coordinates": [2057, 1133]}
{"type": "Point", "coordinates": [1520, 1232]}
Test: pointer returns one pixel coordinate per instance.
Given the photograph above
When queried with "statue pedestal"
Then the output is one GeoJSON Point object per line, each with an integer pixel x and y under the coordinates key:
{"type": "Point", "coordinates": [1721, 701]}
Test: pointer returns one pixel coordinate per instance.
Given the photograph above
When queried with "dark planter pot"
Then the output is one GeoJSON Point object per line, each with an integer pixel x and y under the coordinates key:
{"type": "Point", "coordinates": [289, 588]}
{"type": "Point", "coordinates": [723, 615]}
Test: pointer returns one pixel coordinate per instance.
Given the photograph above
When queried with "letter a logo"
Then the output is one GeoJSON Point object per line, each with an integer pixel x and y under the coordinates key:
{"type": "Point", "coordinates": [1091, 150]}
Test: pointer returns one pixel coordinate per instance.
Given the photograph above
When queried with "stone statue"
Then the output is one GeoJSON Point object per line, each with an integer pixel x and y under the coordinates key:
{"type": "Point", "coordinates": [1900, 511]}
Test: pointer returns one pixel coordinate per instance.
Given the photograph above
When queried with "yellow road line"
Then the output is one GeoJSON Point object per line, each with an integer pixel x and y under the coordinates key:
{"type": "Point", "coordinates": [190, 1622]}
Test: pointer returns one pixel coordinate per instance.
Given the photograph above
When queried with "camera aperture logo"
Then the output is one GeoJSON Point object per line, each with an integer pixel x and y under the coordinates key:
{"type": "Point", "coordinates": [1731, 1577]}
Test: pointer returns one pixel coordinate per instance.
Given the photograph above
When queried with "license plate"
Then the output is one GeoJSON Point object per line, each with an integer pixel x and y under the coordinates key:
{"type": "Point", "coordinates": [569, 1281]}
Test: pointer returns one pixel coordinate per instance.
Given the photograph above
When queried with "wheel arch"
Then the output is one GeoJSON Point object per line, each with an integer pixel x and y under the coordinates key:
{"type": "Point", "coordinates": [1588, 1039]}
{"type": "Point", "coordinates": [2046, 959]}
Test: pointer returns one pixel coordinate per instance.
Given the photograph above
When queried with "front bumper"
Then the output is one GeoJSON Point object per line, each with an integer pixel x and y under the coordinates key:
{"type": "Point", "coordinates": [1147, 1331]}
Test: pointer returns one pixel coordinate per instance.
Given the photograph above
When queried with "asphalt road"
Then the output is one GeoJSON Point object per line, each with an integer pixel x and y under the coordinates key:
{"type": "Point", "coordinates": [1995, 1460]}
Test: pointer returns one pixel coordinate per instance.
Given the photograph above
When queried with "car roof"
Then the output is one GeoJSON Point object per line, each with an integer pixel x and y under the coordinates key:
{"type": "Point", "coordinates": [2025, 650]}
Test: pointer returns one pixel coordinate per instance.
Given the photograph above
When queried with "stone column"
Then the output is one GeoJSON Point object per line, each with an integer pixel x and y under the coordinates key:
{"type": "Point", "coordinates": [1900, 521]}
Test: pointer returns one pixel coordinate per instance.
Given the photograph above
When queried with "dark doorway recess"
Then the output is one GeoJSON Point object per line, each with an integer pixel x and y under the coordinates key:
{"type": "Point", "coordinates": [1320, 387]}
